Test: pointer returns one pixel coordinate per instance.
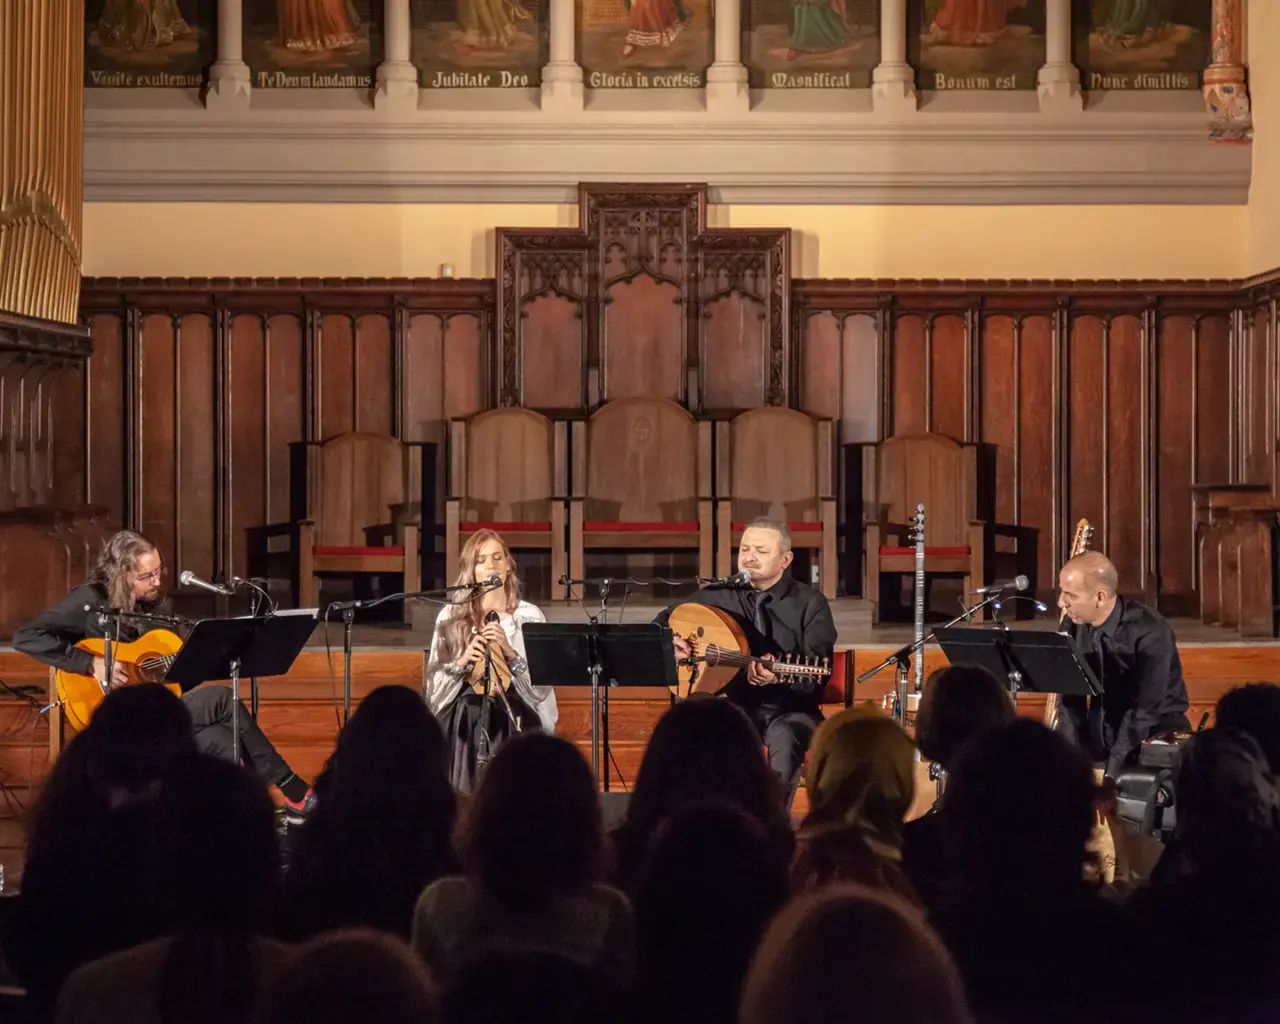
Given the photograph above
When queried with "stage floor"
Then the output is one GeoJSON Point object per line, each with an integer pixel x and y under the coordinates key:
{"type": "Point", "coordinates": [852, 617]}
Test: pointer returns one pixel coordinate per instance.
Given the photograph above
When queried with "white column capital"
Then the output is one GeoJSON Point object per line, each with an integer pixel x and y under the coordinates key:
{"type": "Point", "coordinates": [562, 74]}
{"type": "Point", "coordinates": [396, 88]}
{"type": "Point", "coordinates": [229, 83]}
{"type": "Point", "coordinates": [893, 82]}
{"type": "Point", "coordinates": [727, 90]}
{"type": "Point", "coordinates": [1058, 82]}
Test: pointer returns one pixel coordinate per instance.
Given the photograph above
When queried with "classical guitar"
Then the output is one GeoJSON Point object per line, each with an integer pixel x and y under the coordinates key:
{"type": "Point", "coordinates": [146, 659]}
{"type": "Point", "coordinates": [1079, 545]}
{"type": "Point", "coordinates": [719, 651]}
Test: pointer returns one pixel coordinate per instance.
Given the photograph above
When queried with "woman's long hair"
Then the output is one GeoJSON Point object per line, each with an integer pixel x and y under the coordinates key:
{"type": "Point", "coordinates": [455, 634]}
{"type": "Point", "coordinates": [115, 566]}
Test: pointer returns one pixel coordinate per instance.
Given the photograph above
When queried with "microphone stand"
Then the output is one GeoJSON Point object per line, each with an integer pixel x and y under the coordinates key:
{"type": "Point", "coordinates": [348, 610]}
{"type": "Point", "coordinates": [902, 658]}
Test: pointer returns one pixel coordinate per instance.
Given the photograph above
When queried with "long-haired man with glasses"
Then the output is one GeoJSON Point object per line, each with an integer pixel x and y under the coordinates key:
{"type": "Point", "coordinates": [129, 577]}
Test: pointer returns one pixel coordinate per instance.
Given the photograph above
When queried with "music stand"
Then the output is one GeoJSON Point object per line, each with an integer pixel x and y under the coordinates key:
{"type": "Point", "coordinates": [228, 648]}
{"type": "Point", "coordinates": [1030, 659]}
{"type": "Point", "coordinates": [635, 654]}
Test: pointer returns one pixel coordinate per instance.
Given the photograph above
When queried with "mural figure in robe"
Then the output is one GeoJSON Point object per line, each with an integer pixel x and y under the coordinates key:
{"type": "Point", "coordinates": [490, 24]}
{"type": "Point", "coordinates": [1130, 22]}
{"type": "Point", "coordinates": [142, 24]}
{"type": "Point", "coordinates": [313, 25]}
{"type": "Point", "coordinates": [653, 23]}
{"type": "Point", "coordinates": [820, 26]}
{"type": "Point", "coordinates": [971, 22]}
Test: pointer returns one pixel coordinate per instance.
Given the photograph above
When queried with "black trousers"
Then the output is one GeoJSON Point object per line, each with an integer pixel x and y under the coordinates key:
{"type": "Point", "coordinates": [786, 737]}
{"type": "Point", "coordinates": [211, 709]}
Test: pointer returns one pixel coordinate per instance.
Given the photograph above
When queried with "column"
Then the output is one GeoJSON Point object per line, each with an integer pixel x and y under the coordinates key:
{"type": "Point", "coordinates": [397, 78]}
{"type": "Point", "coordinates": [41, 165]}
{"type": "Point", "coordinates": [562, 75]}
{"type": "Point", "coordinates": [229, 84]}
{"type": "Point", "coordinates": [1059, 80]}
{"type": "Point", "coordinates": [1226, 96]}
{"type": "Point", "coordinates": [893, 83]}
{"type": "Point", "coordinates": [727, 91]}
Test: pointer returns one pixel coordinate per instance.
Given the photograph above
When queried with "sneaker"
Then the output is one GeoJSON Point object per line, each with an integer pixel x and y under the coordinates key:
{"type": "Point", "coordinates": [296, 812]}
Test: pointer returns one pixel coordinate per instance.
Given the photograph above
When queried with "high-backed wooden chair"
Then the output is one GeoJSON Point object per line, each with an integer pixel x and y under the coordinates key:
{"type": "Point", "coordinates": [641, 481]}
{"type": "Point", "coordinates": [344, 493]}
{"type": "Point", "coordinates": [778, 463]}
{"type": "Point", "coordinates": [942, 474]}
{"type": "Point", "coordinates": [508, 471]}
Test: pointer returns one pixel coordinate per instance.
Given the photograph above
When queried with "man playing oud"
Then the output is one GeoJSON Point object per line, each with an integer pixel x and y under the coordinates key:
{"type": "Point", "coordinates": [128, 578]}
{"type": "Point", "coordinates": [780, 616]}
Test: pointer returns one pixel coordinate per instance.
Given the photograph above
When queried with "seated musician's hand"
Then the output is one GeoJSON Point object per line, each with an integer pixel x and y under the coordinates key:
{"type": "Point", "coordinates": [495, 634]}
{"type": "Point", "coordinates": [683, 650]}
{"type": "Point", "coordinates": [119, 674]}
{"type": "Point", "coordinates": [758, 675]}
{"type": "Point", "coordinates": [474, 652]}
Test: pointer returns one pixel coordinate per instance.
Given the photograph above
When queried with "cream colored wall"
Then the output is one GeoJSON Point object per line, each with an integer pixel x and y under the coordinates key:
{"type": "Point", "coordinates": [353, 240]}
{"type": "Point", "coordinates": [1264, 88]}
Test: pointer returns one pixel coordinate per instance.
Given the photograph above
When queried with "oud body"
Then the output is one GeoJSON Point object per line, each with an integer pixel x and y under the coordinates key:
{"type": "Point", "coordinates": [146, 659]}
{"type": "Point", "coordinates": [719, 651]}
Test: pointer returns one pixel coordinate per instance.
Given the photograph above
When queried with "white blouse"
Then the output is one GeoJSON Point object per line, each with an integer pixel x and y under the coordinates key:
{"type": "Point", "coordinates": [445, 682]}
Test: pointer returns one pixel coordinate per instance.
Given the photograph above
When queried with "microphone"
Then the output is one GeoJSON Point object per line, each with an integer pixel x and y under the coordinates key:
{"type": "Point", "coordinates": [739, 579]}
{"type": "Point", "coordinates": [190, 579]}
{"type": "Point", "coordinates": [1017, 583]}
{"type": "Point", "coordinates": [493, 583]}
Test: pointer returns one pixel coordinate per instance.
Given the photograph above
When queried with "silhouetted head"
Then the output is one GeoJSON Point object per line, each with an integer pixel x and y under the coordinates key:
{"type": "Point", "coordinates": [351, 976]}
{"type": "Point", "coordinates": [215, 848]}
{"type": "Point", "coordinates": [532, 832]}
{"type": "Point", "coordinates": [533, 987]}
{"type": "Point", "coordinates": [959, 702]}
{"type": "Point", "coordinates": [702, 749]}
{"type": "Point", "coordinates": [132, 739]}
{"type": "Point", "coordinates": [1020, 808]}
{"type": "Point", "coordinates": [846, 953]}
{"type": "Point", "coordinates": [1254, 709]}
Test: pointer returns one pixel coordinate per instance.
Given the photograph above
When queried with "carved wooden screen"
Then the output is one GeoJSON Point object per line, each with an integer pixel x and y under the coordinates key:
{"type": "Point", "coordinates": [643, 302]}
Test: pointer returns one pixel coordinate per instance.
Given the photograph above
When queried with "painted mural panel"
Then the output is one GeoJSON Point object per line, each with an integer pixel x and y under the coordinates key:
{"type": "Point", "coordinates": [479, 44]}
{"type": "Point", "coordinates": [1142, 44]}
{"type": "Point", "coordinates": [312, 44]}
{"type": "Point", "coordinates": [645, 44]}
{"type": "Point", "coordinates": [148, 44]}
{"type": "Point", "coordinates": [811, 44]}
{"type": "Point", "coordinates": [975, 44]}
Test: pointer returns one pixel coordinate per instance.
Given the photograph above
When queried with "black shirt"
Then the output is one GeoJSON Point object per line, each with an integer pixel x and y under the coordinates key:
{"type": "Point", "coordinates": [1135, 657]}
{"type": "Point", "coordinates": [788, 618]}
{"type": "Point", "coordinates": [51, 637]}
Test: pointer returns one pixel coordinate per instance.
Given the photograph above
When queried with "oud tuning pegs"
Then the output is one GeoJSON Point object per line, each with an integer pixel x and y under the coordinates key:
{"type": "Point", "coordinates": [826, 664]}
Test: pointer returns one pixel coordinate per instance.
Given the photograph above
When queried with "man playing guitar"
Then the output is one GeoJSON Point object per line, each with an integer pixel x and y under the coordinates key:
{"type": "Point", "coordinates": [780, 616]}
{"type": "Point", "coordinates": [128, 577]}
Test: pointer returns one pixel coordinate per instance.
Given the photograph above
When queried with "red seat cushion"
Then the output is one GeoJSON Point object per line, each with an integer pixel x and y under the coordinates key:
{"type": "Point", "coordinates": [505, 527]}
{"type": "Point", "coordinates": [606, 525]}
{"type": "Point", "coordinates": [800, 527]}
{"type": "Point", "coordinates": [833, 688]}
{"type": "Point", "coordinates": [943, 552]}
{"type": "Point", "coordinates": [341, 552]}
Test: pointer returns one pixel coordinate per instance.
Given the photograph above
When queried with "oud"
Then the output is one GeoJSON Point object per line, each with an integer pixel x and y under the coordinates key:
{"type": "Point", "coordinates": [1079, 545]}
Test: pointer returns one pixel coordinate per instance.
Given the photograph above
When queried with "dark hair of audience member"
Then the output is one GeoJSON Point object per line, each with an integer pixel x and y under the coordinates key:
{"type": "Point", "coordinates": [534, 987]}
{"type": "Point", "coordinates": [347, 976]}
{"type": "Point", "coordinates": [701, 749]}
{"type": "Point", "coordinates": [1254, 709]}
{"type": "Point", "coordinates": [846, 953]}
{"type": "Point", "coordinates": [532, 832]}
{"type": "Point", "coordinates": [959, 702]}
{"type": "Point", "coordinates": [1019, 811]}
{"type": "Point", "coordinates": [217, 868]}
{"type": "Point", "coordinates": [711, 882]}
{"type": "Point", "coordinates": [382, 827]}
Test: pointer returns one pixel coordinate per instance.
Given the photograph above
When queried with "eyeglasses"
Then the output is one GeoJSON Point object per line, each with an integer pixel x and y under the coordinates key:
{"type": "Point", "coordinates": [150, 577]}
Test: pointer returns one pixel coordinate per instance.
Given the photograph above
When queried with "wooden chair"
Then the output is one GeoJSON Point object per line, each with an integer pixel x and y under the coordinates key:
{"type": "Point", "coordinates": [778, 463]}
{"type": "Point", "coordinates": [508, 472]}
{"type": "Point", "coordinates": [641, 482]}
{"type": "Point", "coordinates": [942, 474]}
{"type": "Point", "coordinates": [343, 495]}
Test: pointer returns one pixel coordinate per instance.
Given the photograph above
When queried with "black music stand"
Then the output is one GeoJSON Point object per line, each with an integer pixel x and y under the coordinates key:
{"type": "Point", "coordinates": [1036, 660]}
{"type": "Point", "coordinates": [635, 654]}
{"type": "Point", "coordinates": [229, 648]}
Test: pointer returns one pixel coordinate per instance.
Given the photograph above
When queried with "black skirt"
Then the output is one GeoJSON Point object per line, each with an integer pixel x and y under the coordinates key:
{"type": "Point", "coordinates": [476, 726]}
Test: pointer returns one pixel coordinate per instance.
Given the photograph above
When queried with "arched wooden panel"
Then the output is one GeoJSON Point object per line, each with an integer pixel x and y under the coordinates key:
{"type": "Point", "coordinates": [642, 353]}
{"type": "Point", "coordinates": [861, 380]}
{"type": "Point", "coordinates": [360, 477]}
{"type": "Point", "coordinates": [1085, 393]}
{"type": "Point", "coordinates": [910, 361]}
{"type": "Point", "coordinates": [735, 352]}
{"type": "Point", "coordinates": [250, 373]}
{"type": "Point", "coordinates": [374, 379]}
{"type": "Point", "coordinates": [998, 423]}
{"type": "Point", "coordinates": [773, 465]}
{"type": "Point", "coordinates": [551, 352]}
{"type": "Point", "coordinates": [286, 404]}
{"type": "Point", "coordinates": [464, 366]}
{"type": "Point", "coordinates": [422, 416]}
{"type": "Point", "coordinates": [1175, 429]}
{"type": "Point", "coordinates": [157, 435]}
{"type": "Point", "coordinates": [1126, 384]}
{"type": "Point", "coordinates": [1037, 487]}
{"type": "Point", "coordinates": [821, 367]}
{"type": "Point", "coordinates": [949, 377]}
{"type": "Point", "coordinates": [1213, 401]}
{"type": "Point", "coordinates": [197, 450]}
{"type": "Point", "coordinates": [930, 469]}
{"type": "Point", "coordinates": [508, 467]}
{"type": "Point", "coordinates": [106, 388]}
{"type": "Point", "coordinates": [336, 372]}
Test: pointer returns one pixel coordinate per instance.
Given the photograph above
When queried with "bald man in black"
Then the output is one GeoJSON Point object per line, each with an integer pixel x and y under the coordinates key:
{"type": "Point", "coordinates": [1132, 651]}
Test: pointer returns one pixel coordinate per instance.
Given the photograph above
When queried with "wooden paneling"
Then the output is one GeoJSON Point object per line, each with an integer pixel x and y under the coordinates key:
{"type": "Point", "coordinates": [1126, 383]}
{"type": "Point", "coordinates": [735, 353]}
{"type": "Point", "coordinates": [197, 467]}
{"type": "Point", "coordinates": [335, 367]}
{"type": "Point", "coordinates": [1214, 400]}
{"type": "Point", "coordinates": [910, 370]}
{"type": "Point", "coordinates": [284, 417]}
{"type": "Point", "coordinates": [374, 375]}
{"type": "Point", "coordinates": [1033, 397]}
{"type": "Point", "coordinates": [251, 461]}
{"type": "Point", "coordinates": [998, 420]}
{"type": "Point", "coordinates": [642, 343]}
{"type": "Point", "coordinates": [105, 383]}
{"type": "Point", "coordinates": [822, 379]}
{"type": "Point", "coordinates": [949, 393]}
{"type": "Point", "coordinates": [860, 380]}
{"type": "Point", "coordinates": [1175, 429]}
